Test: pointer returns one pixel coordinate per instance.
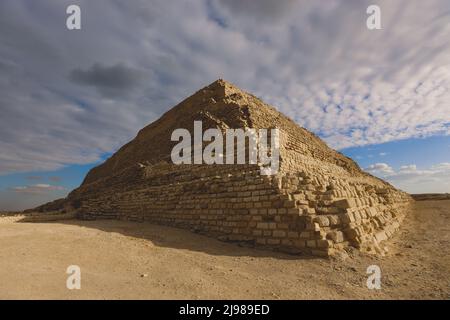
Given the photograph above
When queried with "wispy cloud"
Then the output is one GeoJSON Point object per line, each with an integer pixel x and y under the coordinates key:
{"type": "Point", "coordinates": [380, 169]}
{"type": "Point", "coordinates": [55, 179]}
{"type": "Point", "coordinates": [34, 178]}
{"type": "Point", "coordinates": [435, 178]}
{"type": "Point", "coordinates": [37, 188]}
{"type": "Point", "coordinates": [69, 97]}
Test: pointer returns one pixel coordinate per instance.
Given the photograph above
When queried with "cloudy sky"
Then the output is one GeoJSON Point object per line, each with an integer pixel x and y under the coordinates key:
{"type": "Point", "coordinates": [69, 98]}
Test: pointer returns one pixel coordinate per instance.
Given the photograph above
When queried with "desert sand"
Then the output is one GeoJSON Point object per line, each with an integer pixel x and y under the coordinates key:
{"type": "Point", "coordinates": [130, 260]}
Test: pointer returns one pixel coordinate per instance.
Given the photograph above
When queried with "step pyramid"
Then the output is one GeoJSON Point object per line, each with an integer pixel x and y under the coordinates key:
{"type": "Point", "coordinates": [319, 202]}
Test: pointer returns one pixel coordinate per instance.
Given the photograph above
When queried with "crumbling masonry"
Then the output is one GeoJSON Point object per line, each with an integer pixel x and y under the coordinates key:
{"type": "Point", "coordinates": [319, 202]}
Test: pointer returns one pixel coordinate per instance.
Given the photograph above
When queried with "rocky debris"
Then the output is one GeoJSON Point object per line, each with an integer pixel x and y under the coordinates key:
{"type": "Point", "coordinates": [33, 216]}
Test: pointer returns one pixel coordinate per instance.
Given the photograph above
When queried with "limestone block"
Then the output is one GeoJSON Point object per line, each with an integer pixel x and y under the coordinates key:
{"type": "Point", "coordinates": [262, 225]}
{"type": "Point", "coordinates": [323, 221]}
{"type": "Point", "coordinates": [334, 220]}
{"type": "Point", "coordinates": [336, 236]}
{"type": "Point", "coordinates": [273, 241]}
{"type": "Point", "coordinates": [293, 234]}
{"type": "Point", "coordinates": [348, 217]}
{"type": "Point", "coordinates": [311, 243]}
{"type": "Point", "coordinates": [380, 236]}
{"type": "Point", "coordinates": [300, 243]}
{"type": "Point", "coordinates": [305, 235]}
{"type": "Point", "coordinates": [279, 234]}
{"type": "Point", "coordinates": [345, 203]}
{"type": "Point", "coordinates": [261, 241]}
{"type": "Point", "coordinates": [324, 243]}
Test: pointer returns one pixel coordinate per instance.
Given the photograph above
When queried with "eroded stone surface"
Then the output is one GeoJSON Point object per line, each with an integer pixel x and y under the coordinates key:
{"type": "Point", "coordinates": [319, 202]}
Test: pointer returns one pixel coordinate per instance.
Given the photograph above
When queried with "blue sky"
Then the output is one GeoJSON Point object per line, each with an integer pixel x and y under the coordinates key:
{"type": "Point", "coordinates": [69, 98]}
{"type": "Point", "coordinates": [25, 190]}
{"type": "Point", "coordinates": [423, 152]}
{"type": "Point", "coordinates": [417, 165]}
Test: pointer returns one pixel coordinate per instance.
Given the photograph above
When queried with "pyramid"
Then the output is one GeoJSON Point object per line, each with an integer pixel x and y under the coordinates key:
{"type": "Point", "coordinates": [318, 203]}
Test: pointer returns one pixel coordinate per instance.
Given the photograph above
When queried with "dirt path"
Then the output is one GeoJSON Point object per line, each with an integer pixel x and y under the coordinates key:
{"type": "Point", "coordinates": [123, 260]}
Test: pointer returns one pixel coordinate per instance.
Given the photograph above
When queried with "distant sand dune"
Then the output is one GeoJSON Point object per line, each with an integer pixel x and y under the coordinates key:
{"type": "Point", "coordinates": [431, 196]}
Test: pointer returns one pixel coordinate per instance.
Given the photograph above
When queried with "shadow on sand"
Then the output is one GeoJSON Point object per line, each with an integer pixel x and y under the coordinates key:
{"type": "Point", "coordinates": [177, 238]}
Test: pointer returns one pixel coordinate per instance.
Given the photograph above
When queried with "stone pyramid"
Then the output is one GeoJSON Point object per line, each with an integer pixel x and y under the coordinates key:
{"type": "Point", "coordinates": [319, 201]}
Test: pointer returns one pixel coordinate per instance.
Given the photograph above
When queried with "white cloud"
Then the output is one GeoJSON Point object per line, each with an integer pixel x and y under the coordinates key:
{"type": "Point", "coordinates": [315, 61]}
{"type": "Point", "coordinates": [436, 178]}
{"type": "Point", "coordinates": [380, 168]}
{"type": "Point", "coordinates": [445, 166]}
{"type": "Point", "coordinates": [37, 188]}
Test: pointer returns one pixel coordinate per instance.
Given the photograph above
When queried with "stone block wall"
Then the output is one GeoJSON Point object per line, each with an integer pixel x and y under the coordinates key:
{"type": "Point", "coordinates": [294, 211]}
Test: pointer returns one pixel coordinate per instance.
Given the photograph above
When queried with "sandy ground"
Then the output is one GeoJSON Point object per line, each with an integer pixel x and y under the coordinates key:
{"type": "Point", "coordinates": [123, 260]}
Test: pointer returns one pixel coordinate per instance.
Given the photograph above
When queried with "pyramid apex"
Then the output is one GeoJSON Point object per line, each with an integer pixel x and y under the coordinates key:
{"type": "Point", "coordinates": [223, 86]}
{"type": "Point", "coordinates": [222, 83]}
